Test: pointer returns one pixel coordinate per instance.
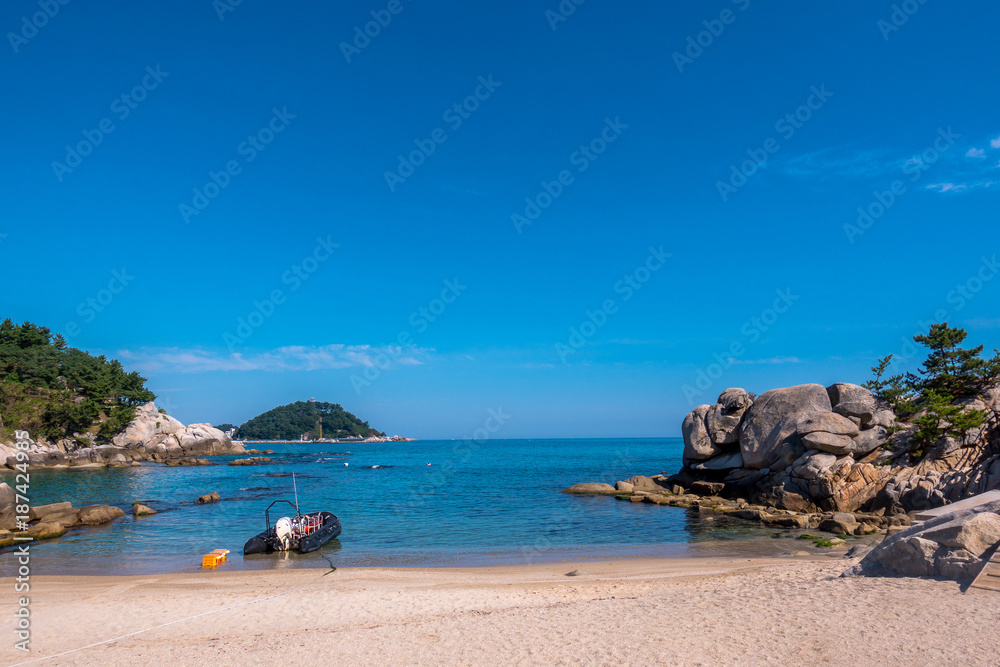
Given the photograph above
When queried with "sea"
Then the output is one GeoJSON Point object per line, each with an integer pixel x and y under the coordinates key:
{"type": "Point", "coordinates": [402, 504]}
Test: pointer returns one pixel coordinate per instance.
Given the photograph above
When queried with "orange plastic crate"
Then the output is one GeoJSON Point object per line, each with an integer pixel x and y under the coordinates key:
{"type": "Point", "coordinates": [215, 558]}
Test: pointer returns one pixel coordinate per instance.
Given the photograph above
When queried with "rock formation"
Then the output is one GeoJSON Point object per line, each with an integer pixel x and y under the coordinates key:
{"type": "Point", "coordinates": [47, 521]}
{"type": "Point", "coordinates": [836, 449]}
{"type": "Point", "coordinates": [151, 436]}
{"type": "Point", "coordinates": [951, 546]}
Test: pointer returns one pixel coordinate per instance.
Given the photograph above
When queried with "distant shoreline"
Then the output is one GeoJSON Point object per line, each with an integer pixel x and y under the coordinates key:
{"type": "Point", "coordinates": [394, 438]}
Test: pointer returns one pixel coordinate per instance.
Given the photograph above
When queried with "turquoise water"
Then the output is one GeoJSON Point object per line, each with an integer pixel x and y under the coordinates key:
{"type": "Point", "coordinates": [482, 502]}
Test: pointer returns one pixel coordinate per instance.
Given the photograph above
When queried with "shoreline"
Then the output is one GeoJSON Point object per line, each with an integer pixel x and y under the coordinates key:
{"type": "Point", "coordinates": [663, 611]}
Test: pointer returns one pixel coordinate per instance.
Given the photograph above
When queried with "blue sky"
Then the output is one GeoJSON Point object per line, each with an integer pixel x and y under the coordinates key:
{"type": "Point", "coordinates": [585, 251]}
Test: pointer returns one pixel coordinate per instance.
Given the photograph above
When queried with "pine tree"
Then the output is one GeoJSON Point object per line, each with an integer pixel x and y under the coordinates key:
{"type": "Point", "coordinates": [950, 369]}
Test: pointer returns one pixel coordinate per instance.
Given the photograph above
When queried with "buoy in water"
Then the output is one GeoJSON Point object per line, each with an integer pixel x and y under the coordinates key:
{"type": "Point", "coordinates": [428, 464]}
{"type": "Point", "coordinates": [346, 464]}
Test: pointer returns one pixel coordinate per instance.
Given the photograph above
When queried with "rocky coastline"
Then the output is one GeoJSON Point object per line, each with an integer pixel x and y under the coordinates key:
{"type": "Point", "coordinates": [834, 459]}
{"type": "Point", "coordinates": [151, 436]}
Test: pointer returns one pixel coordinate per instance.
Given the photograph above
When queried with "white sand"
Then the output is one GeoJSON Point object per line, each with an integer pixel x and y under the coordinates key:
{"type": "Point", "coordinates": [666, 612]}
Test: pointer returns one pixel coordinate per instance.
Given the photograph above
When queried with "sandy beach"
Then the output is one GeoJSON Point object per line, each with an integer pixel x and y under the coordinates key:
{"type": "Point", "coordinates": [682, 611]}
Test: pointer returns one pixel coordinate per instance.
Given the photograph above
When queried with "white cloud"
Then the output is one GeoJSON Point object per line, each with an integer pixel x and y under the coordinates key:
{"type": "Point", "coordinates": [291, 358]}
{"type": "Point", "coordinates": [948, 187]}
{"type": "Point", "coordinates": [976, 153]}
{"type": "Point", "coordinates": [995, 143]}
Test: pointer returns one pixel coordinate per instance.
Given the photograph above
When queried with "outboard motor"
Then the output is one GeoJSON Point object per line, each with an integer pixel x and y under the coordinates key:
{"type": "Point", "coordinates": [283, 532]}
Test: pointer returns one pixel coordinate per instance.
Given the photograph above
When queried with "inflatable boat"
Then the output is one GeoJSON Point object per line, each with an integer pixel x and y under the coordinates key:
{"type": "Point", "coordinates": [302, 532]}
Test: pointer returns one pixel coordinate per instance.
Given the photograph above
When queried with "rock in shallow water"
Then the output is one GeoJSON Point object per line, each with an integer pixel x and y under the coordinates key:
{"type": "Point", "coordinates": [589, 488]}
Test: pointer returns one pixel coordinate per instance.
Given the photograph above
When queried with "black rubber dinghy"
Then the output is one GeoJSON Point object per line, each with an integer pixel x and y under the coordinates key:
{"type": "Point", "coordinates": [303, 532]}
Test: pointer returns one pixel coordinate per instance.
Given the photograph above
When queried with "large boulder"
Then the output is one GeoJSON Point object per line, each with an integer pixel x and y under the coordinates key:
{"type": "Point", "coordinates": [828, 442]}
{"type": "Point", "coordinates": [768, 436]}
{"type": "Point", "coordinates": [698, 446]}
{"type": "Point", "coordinates": [828, 422]}
{"type": "Point", "coordinates": [951, 546]}
{"type": "Point", "coordinates": [8, 518]}
{"type": "Point", "coordinates": [147, 424]}
{"type": "Point", "coordinates": [723, 419]}
{"type": "Point", "coordinates": [95, 515]}
{"type": "Point", "coordinates": [847, 393]}
{"type": "Point", "coordinates": [869, 440]}
{"type": "Point", "coordinates": [728, 461]}
{"type": "Point", "coordinates": [206, 440]}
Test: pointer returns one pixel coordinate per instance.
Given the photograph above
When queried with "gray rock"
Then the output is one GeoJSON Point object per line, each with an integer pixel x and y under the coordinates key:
{"type": "Point", "coordinates": [845, 392]}
{"type": "Point", "coordinates": [703, 488]}
{"type": "Point", "coordinates": [138, 509]}
{"type": "Point", "coordinates": [735, 398]}
{"type": "Point", "coordinates": [42, 511]}
{"type": "Point", "coordinates": [869, 440]}
{"type": "Point", "coordinates": [884, 418]}
{"type": "Point", "coordinates": [643, 483]}
{"type": "Point", "coordinates": [768, 436]}
{"type": "Point", "coordinates": [860, 413]}
{"type": "Point", "coordinates": [624, 487]}
{"type": "Point", "coordinates": [841, 523]}
{"type": "Point", "coordinates": [723, 419]}
{"type": "Point", "coordinates": [590, 488]}
{"type": "Point", "coordinates": [828, 442]}
{"type": "Point", "coordinates": [991, 397]}
{"type": "Point", "coordinates": [722, 462]}
{"type": "Point", "coordinates": [812, 464]}
{"type": "Point", "coordinates": [945, 546]}
{"type": "Point", "coordinates": [95, 515]}
{"type": "Point", "coordinates": [214, 497]}
{"type": "Point", "coordinates": [975, 534]}
{"type": "Point", "coordinates": [698, 446]}
{"type": "Point", "coordinates": [828, 422]}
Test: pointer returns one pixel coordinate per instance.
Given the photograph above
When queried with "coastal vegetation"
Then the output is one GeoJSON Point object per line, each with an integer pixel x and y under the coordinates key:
{"type": "Point", "coordinates": [53, 391]}
{"type": "Point", "coordinates": [305, 418]}
{"type": "Point", "coordinates": [936, 399]}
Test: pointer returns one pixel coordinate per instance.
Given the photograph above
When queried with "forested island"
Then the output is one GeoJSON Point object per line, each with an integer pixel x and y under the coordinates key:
{"type": "Point", "coordinates": [310, 419]}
